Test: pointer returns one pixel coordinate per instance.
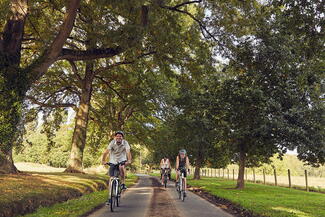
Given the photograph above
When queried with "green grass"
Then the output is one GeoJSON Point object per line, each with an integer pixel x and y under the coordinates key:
{"type": "Point", "coordinates": [24, 192]}
{"type": "Point", "coordinates": [80, 206]}
{"type": "Point", "coordinates": [266, 200]}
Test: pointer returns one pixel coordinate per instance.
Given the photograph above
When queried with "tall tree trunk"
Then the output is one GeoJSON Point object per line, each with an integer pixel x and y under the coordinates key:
{"type": "Point", "coordinates": [81, 123]}
{"type": "Point", "coordinates": [13, 82]}
{"type": "Point", "coordinates": [241, 173]}
{"type": "Point", "coordinates": [197, 173]}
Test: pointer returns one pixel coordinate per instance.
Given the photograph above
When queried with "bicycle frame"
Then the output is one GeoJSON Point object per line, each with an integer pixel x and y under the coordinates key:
{"type": "Point", "coordinates": [115, 188]}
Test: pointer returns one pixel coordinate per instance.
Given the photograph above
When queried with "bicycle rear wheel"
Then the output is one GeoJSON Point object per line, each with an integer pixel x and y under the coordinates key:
{"type": "Point", "coordinates": [113, 195]}
{"type": "Point", "coordinates": [180, 189]}
{"type": "Point", "coordinates": [165, 181]}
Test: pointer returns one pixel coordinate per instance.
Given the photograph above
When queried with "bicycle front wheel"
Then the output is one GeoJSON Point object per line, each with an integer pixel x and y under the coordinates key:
{"type": "Point", "coordinates": [183, 191]}
{"type": "Point", "coordinates": [118, 195]}
{"type": "Point", "coordinates": [113, 195]}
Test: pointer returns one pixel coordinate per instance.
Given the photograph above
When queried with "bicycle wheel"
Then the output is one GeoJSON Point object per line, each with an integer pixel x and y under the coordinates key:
{"type": "Point", "coordinates": [183, 191]}
{"type": "Point", "coordinates": [165, 181]}
{"type": "Point", "coordinates": [118, 195]}
{"type": "Point", "coordinates": [180, 189]}
{"type": "Point", "coordinates": [113, 195]}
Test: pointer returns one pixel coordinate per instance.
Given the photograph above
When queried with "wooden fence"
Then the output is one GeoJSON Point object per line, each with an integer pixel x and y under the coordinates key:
{"type": "Point", "coordinates": [306, 182]}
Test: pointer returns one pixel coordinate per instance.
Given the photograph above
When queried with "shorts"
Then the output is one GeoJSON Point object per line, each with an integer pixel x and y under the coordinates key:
{"type": "Point", "coordinates": [114, 171]}
{"type": "Point", "coordinates": [184, 170]}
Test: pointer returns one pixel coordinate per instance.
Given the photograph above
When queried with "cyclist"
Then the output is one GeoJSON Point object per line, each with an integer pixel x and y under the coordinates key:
{"type": "Point", "coordinates": [164, 165]}
{"type": "Point", "coordinates": [182, 163]}
{"type": "Point", "coordinates": [118, 151]}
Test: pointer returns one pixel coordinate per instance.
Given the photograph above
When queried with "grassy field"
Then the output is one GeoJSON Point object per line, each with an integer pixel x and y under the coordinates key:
{"type": "Point", "coordinates": [78, 207]}
{"type": "Point", "coordinates": [266, 200]}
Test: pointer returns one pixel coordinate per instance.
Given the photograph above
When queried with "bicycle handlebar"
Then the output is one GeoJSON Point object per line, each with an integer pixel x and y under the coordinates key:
{"type": "Point", "coordinates": [119, 163]}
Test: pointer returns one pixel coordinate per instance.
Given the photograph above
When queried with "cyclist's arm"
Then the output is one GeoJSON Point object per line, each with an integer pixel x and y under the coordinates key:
{"type": "Point", "coordinates": [104, 156]}
{"type": "Point", "coordinates": [129, 156]}
{"type": "Point", "coordinates": [177, 163]}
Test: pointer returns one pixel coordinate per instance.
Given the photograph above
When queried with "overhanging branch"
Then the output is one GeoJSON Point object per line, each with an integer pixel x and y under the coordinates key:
{"type": "Point", "coordinates": [76, 55]}
{"type": "Point", "coordinates": [60, 105]}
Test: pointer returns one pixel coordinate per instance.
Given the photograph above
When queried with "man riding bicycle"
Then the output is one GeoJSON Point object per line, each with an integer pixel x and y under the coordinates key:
{"type": "Point", "coordinates": [182, 164]}
{"type": "Point", "coordinates": [118, 151]}
{"type": "Point", "coordinates": [164, 165]}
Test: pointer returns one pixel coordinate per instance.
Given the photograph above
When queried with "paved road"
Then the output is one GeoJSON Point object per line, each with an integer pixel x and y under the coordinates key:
{"type": "Point", "coordinates": [148, 199]}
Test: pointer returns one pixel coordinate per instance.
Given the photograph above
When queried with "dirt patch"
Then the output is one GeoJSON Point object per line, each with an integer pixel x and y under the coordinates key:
{"type": "Point", "coordinates": [161, 204]}
{"type": "Point", "coordinates": [222, 203]}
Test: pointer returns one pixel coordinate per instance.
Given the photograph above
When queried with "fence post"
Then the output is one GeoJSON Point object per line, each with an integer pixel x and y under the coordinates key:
{"type": "Point", "coordinates": [275, 178]}
{"type": "Point", "coordinates": [228, 172]}
{"type": "Point", "coordinates": [264, 176]}
{"type": "Point", "coordinates": [306, 178]}
{"type": "Point", "coordinates": [233, 174]}
{"type": "Point", "coordinates": [254, 175]}
{"type": "Point", "coordinates": [219, 173]}
{"type": "Point", "coordinates": [289, 177]}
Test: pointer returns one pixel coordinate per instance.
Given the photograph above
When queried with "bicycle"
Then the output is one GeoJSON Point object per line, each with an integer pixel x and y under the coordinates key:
{"type": "Point", "coordinates": [116, 189]}
{"type": "Point", "coordinates": [181, 185]}
{"type": "Point", "coordinates": [165, 177]}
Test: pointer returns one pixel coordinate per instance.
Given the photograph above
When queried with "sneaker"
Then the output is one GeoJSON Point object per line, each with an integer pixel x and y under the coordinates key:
{"type": "Point", "coordinates": [123, 187]}
{"type": "Point", "coordinates": [108, 202]}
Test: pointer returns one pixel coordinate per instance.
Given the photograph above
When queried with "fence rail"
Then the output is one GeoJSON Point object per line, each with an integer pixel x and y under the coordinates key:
{"type": "Point", "coordinates": [306, 182]}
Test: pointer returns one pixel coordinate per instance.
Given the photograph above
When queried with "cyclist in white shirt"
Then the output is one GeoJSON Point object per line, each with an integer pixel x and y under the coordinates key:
{"type": "Point", "coordinates": [118, 151]}
{"type": "Point", "coordinates": [164, 165]}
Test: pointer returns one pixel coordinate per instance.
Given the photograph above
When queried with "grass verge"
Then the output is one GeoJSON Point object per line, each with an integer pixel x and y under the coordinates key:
{"type": "Point", "coordinates": [80, 206]}
{"type": "Point", "coordinates": [25, 192]}
{"type": "Point", "coordinates": [265, 200]}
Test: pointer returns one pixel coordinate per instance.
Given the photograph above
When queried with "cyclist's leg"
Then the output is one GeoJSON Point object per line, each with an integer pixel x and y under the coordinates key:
{"type": "Point", "coordinates": [122, 175]}
{"type": "Point", "coordinates": [111, 175]}
{"type": "Point", "coordinates": [185, 175]}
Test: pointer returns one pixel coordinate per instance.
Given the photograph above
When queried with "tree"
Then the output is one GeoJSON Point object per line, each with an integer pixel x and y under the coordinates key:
{"type": "Point", "coordinates": [156, 50]}
{"type": "Point", "coordinates": [15, 77]}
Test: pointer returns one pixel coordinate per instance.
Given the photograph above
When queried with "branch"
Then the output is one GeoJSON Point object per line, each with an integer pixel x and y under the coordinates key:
{"type": "Point", "coordinates": [76, 55]}
{"type": "Point", "coordinates": [75, 71]}
{"type": "Point", "coordinates": [61, 105]}
{"type": "Point", "coordinates": [126, 62]}
{"type": "Point", "coordinates": [51, 54]}
{"type": "Point", "coordinates": [202, 26]}
{"type": "Point", "coordinates": [110, 87]}
{"type": "Point", "coordinates": [187, 3]}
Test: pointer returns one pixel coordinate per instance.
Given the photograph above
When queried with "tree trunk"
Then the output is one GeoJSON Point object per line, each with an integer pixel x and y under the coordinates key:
{"type": "Point", "coordinates": [241, 173]}
{"type": "Point", "coordinates": [13, 82]}
{"type": "Point", "coordinates": [7, 164]}
{"type": "Point", "coordinates": [81, 123]}
{"type": "Point", "coordinates": [197, 173]}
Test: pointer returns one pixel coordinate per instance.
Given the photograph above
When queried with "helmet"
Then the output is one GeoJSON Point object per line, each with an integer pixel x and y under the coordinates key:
{"type": "Point", "coordinates": [119, 132]}
{"type": "Point", "coordinates": [182, 151]}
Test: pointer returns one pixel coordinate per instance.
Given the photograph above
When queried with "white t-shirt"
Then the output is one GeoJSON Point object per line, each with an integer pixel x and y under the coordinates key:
{"type": "Point", "coordinates": [165, 163]}
{"type": "Point", "coordinates": [118, 152]}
